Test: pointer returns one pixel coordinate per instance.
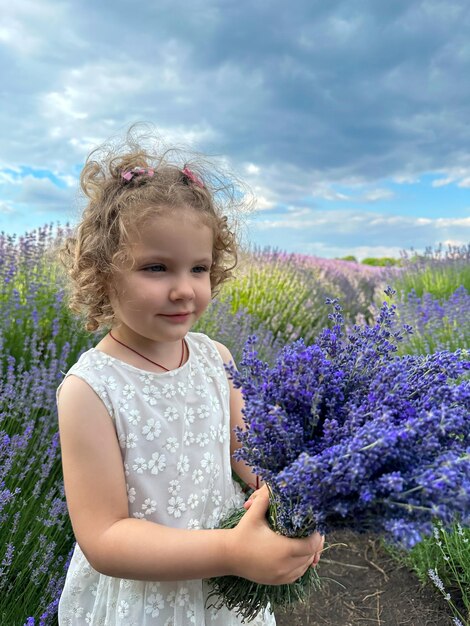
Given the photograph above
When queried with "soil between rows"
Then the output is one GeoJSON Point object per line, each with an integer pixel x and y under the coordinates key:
{"type": "Point", "coordinates": [374, 590]}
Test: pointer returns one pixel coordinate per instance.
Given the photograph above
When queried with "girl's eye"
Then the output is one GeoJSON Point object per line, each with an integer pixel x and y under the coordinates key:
{"type": "Point", "coordinates": [199, 269]}
{"type": "Point", "coordinates": [155, 268]}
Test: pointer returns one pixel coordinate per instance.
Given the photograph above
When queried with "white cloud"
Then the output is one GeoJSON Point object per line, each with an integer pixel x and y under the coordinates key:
{"type": "Point", "coordinates": [375, 195]}
{"type": "Point", "coordinates": [81, 146]}
{"type": "Point", "coordinates": [349, 221]}
{"type": "Point", "coordinates": [344, 231]}
{"type": "Point", "coordinates": [190, 135]}
{"type": "Point", "coordinates": [451, 222]}
{"type": "Point", "coordinates": [362, 252]}
{"type": "Point", "coordinates": [321, 249]}
{"type": "Point", "coordinates": [69, 181]}
{"type": "Point", "coordinates": [263, 204]}
{"type": "Point", "coordinates": [457, 243]}
{"type": "Point", "coordinates": [9, 178]}
{"type": "Point", "coordinates": [455, 175]}
{"type": "Point", "coordinates": [15, 35]}
{"type": "Point", "coordinates": [62, 105]}
{"type": "Point", "coordinates": [26, 24]}
{"type": "Point", "coordinates": [406, 179]}
{"type": "Point", "coordinates": [442, 182]}
{"type": "Point", "coordinates": [5, 208]}
{"type": "Point", "coordinates": [326, 192]}
{"type": "Point", "coordinates": [89, 90]}
{"type": "Point", "coordinates": [251, 168]}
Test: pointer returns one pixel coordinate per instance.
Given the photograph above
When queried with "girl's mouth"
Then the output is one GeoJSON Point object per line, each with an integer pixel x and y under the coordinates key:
{"type": "Point", "coordinates": [176, 317]}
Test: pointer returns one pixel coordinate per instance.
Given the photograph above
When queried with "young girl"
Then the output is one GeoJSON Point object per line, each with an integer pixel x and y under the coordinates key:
{"type": "Point", "coordinates": [146, 417]}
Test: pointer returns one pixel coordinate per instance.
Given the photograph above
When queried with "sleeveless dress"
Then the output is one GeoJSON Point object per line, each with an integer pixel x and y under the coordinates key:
{"type": "Point", "coordinates": [174, 432]}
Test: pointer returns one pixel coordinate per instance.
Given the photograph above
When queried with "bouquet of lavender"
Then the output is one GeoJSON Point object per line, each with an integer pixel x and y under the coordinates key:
{"type": "Point", "coordinates": [347, 434]}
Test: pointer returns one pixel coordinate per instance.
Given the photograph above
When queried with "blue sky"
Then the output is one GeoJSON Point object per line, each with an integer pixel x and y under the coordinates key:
{"type": "Point", "coordinates": [350, 120]}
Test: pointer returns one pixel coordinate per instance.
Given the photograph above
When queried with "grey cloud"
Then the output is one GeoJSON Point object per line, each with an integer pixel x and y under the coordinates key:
{"type": "Point", "coordinates": [311, 92]}
{"type": "Point", "coordinates": [357, 87]}
{"type": "Point", "coordinates": [43, 193]}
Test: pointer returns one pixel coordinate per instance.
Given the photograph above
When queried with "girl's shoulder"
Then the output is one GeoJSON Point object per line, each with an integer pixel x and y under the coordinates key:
{"type": "Point", "coordinates": [91, 360]}
{"type": "Point", "coordinates": [199, 338]}
{"type": "Point", "coordinates": [219, 352]}
{"type": "Point", "coordinates": [204, 345]}
{"type": "Point", "coordinates": [91, 368]}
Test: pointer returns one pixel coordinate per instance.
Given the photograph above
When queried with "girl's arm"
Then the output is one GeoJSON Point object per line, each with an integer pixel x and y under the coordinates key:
{"type": "Point", "coordinates": [124, 547]}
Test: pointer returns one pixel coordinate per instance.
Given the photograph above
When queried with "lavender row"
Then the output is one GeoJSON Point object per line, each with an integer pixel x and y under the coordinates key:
{"type": "Point", "coordinates": [38, 342]}
{"type": "Point", "coordinates": [286, 292]}
{"type": "Point", "coordinates": [278, 296]}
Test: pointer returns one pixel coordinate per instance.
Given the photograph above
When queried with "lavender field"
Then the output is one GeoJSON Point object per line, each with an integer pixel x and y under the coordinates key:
{"type": "Point", "coordinates": [276, 296]}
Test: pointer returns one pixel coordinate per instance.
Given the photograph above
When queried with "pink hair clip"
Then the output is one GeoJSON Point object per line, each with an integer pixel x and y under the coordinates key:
{"type": "Point", "coordinates": [136, 171]}
{"type": "Point", "coordinates": [192, 177]}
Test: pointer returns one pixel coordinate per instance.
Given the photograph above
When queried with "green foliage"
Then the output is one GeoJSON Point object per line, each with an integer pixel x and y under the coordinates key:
{"type": "Point", "coordinates": [448, 554]}
{"type": "Point", "coordinates": [286, 293]}
{"type": "Point", "coordinates": [348, 257]}
{"type": "Point", "coordinates": [385, 261]}
{"type": "Point", "coordinates": [435, 272]}
{"type": "Point", "coordinates": [438, 324]}
{"type": "Point", "coordinates": [277, 293]}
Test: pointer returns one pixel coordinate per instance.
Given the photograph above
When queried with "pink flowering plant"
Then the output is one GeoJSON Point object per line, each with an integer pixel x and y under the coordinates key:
{"type": "Point", "coordinates": [348, 434]}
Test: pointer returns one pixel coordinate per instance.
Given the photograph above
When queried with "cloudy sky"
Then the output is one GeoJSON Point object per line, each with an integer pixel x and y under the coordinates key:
{"type": "Point", "coordinates": [349, 119]}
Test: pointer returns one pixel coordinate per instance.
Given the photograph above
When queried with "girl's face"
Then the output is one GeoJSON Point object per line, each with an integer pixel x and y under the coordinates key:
{"type": "Point", "coordinates": [168, 287]}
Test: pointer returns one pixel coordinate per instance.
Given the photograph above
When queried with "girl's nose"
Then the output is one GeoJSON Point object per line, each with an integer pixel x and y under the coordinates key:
{"type": "Point", "coordinates": [182, 290]}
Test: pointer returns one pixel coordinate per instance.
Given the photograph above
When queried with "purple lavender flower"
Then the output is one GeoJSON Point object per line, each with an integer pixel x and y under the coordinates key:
{"type": "Point", "coordinates": [348, 433]}
{"type": "Point", "coordinates": [39, 340]}
{"type": "Point", "coordinates": [234, 329]}
{"type": "Point", "coordinates": [439, 324]}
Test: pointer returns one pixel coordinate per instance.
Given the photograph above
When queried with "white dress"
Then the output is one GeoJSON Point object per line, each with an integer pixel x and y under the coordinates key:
{"type": "Point", "coordinates": [174, 433]}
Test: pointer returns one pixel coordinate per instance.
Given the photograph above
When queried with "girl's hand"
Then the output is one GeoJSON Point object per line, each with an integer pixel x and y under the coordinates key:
{"type": "Point", "coordinates": [254, 495]}
{"type": "Point", "coordinates": [259, 554]}
{"type": "Point", "coordinates": [249, 502]}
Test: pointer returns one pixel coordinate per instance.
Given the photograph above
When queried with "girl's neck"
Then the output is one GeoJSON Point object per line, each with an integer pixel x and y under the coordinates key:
{"type": "Point", "coordinates": [144, 354]}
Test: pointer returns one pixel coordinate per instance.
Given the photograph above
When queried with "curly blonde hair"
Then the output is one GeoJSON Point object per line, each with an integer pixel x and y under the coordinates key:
{"type": "Point", "coordinates": [116, 206]}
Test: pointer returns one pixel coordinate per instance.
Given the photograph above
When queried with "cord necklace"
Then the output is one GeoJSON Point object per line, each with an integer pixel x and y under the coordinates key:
{"type": "Point", "coordinates": [146, 358]}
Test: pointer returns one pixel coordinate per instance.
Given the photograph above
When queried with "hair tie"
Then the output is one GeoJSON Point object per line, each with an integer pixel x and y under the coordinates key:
{"type": "Point", "coordinates": [192, 177]}
{"type": "Point", "coordinates": [137, 171]}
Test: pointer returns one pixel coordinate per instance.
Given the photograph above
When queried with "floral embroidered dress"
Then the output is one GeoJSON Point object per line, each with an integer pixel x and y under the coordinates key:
{"type": "Point", "coordinates": [174, 433]}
